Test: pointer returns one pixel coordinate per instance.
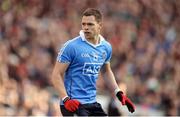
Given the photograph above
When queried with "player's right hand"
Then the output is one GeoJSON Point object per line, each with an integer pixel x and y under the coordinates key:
{"type": "Point", "coordinates": [71, 104]}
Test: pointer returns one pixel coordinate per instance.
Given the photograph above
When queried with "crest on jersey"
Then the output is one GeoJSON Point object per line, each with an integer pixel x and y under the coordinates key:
{"type": "Point", "coordinates": [104, 55]}
{"type": "Point", "coordinates": [95, 56]}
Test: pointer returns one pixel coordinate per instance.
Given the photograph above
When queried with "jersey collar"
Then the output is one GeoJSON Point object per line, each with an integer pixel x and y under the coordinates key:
{"type": "Point", "coordinates": [81, 33]}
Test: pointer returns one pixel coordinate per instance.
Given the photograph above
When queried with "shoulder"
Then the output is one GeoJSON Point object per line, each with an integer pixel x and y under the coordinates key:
{"type": "Point", "coordinates": [107, 44]}
{"type": "Point", "coordinates": [104, 41]}
{"type": "Point", "coordinates": [69, 46]}
{"type": "Point", "coordinates": [72, 42]}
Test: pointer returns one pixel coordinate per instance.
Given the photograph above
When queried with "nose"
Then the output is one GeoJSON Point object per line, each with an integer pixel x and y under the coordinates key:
{"type": "Point", "coordinates": [85, 27]}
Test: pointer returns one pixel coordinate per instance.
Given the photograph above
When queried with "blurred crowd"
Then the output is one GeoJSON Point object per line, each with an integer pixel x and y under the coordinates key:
{"type": "Point", "coordinates": [145, 36]}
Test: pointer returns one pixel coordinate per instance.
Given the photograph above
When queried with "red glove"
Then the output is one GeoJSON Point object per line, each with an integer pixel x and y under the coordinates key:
{"type": "Point", "coordinates": [71, 104]}
{"type": "Point", "coordinates": [125, 101]}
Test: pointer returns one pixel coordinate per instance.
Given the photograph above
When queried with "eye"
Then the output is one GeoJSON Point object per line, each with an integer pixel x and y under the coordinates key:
{"type": "Point", "coordinates": [90, 24]}
{"type": "Point", "coordinates": [83, 24]}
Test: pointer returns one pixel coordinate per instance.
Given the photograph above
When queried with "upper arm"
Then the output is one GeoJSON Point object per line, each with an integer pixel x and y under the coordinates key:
{"type": "Point", "coordinates": [60, 68]}
{"type": "Point", "coordinates": [107, 67]}
{"type": "Point", "coordinates": [65, 57]}
{"type": "Point", "coordinates": [109, 53]}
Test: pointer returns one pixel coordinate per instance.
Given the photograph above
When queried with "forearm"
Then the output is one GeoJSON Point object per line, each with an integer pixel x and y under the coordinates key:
{"type": "Point", "coordinates": [110, 81]}
{"type": "Point", "coordinates": [57, 81]}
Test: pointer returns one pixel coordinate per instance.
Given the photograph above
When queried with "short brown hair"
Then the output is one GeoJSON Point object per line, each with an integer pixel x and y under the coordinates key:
{"type": "Point", "coordinates": [92, 11]}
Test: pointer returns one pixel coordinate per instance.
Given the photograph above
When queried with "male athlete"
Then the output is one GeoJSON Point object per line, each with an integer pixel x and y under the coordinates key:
{"type": "Point", "coordinates": [78, 65]}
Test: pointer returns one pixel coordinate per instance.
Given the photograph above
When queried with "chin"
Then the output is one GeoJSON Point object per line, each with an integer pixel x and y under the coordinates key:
{"type": "Point", "coordinates": [87, 37]}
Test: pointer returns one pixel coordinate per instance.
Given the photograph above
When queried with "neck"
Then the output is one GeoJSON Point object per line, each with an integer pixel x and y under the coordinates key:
{"type": "Point", "coordinates": [95, 40]}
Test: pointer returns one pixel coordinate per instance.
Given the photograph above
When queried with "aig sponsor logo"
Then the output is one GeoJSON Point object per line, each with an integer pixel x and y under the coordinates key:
{"type": "Point", "coordinates": [91, 69]}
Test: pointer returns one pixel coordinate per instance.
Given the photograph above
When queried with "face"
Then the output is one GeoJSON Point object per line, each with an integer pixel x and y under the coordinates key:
{"type": "Point", "coordinates": [90, 27]}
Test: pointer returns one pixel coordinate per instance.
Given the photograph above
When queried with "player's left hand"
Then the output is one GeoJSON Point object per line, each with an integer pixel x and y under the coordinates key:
{"type": "Point", "coordinates": [125, 101]}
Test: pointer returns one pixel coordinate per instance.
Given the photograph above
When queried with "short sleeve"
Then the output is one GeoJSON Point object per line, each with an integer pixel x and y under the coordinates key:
{"type": "Point", "coordinates": [66, 53]}
{"type": "Point", "coordinates": [109, 53]}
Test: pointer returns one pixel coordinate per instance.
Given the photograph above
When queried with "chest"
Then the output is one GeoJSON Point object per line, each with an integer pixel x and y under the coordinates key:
{"type": "Point", "coordinates": [90, 55]}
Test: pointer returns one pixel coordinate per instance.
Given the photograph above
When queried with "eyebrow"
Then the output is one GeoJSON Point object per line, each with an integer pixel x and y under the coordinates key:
{"type": "Point", "coordinates": [83, 23]}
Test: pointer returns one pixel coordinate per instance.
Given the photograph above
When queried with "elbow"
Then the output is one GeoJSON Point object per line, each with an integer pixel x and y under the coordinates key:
{"type": "Point", "coordinates": [56, 77]}
{"type": "Point", "coordinates": [52, 79]}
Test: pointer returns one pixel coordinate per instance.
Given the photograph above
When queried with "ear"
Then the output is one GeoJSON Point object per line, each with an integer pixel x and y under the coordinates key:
{"type": "Point", "coordinates": [100, 25]}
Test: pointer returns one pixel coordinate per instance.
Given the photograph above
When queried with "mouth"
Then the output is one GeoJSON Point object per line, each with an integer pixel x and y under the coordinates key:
{"type": "Point", "coordinates": [86, 33]}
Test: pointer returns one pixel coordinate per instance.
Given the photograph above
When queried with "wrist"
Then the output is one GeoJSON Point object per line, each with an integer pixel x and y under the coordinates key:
{"type": "Point", "coordinates": [66, 98]}
{"type": "Point", "coordinates": [118, 93]}
{"type": "Point", "coordinates": [117, 90]}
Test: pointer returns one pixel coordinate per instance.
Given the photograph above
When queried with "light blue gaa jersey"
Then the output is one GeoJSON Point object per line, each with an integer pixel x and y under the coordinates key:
{"type": "Point", "coordinates": [85, 61]}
